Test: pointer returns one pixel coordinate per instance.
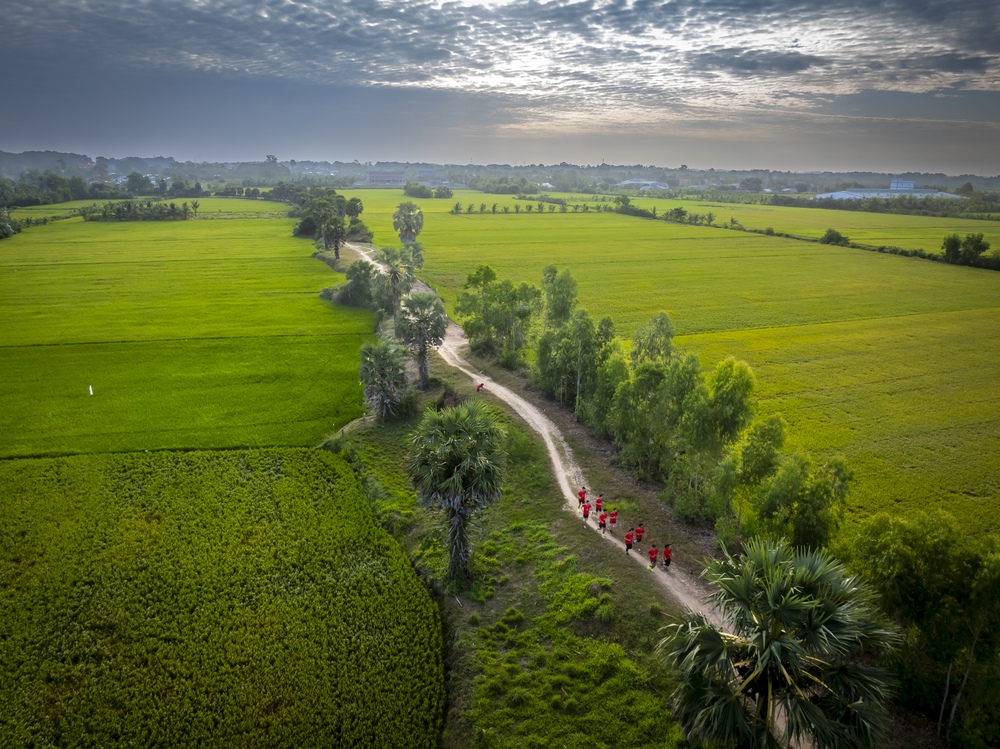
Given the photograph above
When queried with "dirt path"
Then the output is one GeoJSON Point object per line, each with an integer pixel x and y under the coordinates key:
{"type": "Point", "coordinates": [681, 586]}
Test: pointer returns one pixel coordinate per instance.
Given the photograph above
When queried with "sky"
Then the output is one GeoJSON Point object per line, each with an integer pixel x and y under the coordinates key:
{"type": "Point", "coordinates": [840, 85]}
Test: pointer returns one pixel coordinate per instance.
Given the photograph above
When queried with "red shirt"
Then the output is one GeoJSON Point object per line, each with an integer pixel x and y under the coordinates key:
{"type": "Point", "coordinates": [652, 555]}
{"type": "Point", "coordinates": [603, 517]}
{"type": "Point", "coordinates": [638, 533]}
{"type": "Point", "coordinates": [668, 552]}
{"type": "Point", "coordinates": [582, 494]}
{"type": "Point", "coordinates": [628, 537]}
{"type": "Point", "coordinates": [614, 516]}
{"type": "Point", "coordinates": [586, 509]}
{"type": "Point", "coordinates": [599, 503]}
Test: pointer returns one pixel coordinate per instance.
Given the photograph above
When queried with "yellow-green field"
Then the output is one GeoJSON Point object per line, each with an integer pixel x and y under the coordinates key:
{"type": "Point", "coordinates": [885, 359]}
{"type": "Point", "coordinates": [192, 334]}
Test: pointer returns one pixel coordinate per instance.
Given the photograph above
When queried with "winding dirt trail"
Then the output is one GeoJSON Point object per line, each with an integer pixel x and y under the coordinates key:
{"type": "Point", "coordinates": [681, 586]}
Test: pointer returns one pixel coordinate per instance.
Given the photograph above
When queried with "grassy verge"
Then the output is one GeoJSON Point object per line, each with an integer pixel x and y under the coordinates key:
{"type": "Point", "coordinates": [551, 645]}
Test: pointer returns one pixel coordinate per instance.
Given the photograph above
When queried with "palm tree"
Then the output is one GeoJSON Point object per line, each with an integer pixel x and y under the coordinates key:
{"type": "Point", "coordinates": [458, 463]}
{"type": "Point", "coordinates": [798, 667]}
{"type": "Point", "coordinates": [408, 221]}
{"type": "Point", "coordinates": [421, 325]}
{"type": "Point", "coordinates": [397, 275]}
{"type": "Point", "coordinates": [383, 376]}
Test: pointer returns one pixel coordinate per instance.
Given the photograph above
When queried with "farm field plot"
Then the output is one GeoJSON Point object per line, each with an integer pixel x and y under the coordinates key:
{"type": "Point", "coordinates": [885, 359]}
{"type": "Point", "coordinates": [192, 334]}
{"type": "Point", "coordinates": [209, 599]}
{"type": "Point", "coordinates": [875, 229]}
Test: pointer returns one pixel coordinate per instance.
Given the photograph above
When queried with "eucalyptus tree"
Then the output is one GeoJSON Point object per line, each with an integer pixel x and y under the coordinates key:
{"type": "Point", "coordinates": [458, 462]}
{"type": "Point", "coordinates": [408, 221]}
{"type": "Point", "coordinates": [798, 666]}
{"type": "Point", "coordinates": [421, 325]}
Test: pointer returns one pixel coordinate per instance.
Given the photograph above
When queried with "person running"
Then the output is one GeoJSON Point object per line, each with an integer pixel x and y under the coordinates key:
{"type": "Point", "coordinates": [480, 386]}
{"type": "Point", "coordinates": [667, 553]}
{"type": "Point", "coordinates": [628, 540]}
{"type": "Point", "coordinates": [614, 519]}
{"type": "Point", "coordinates": [652, 557]}
{"type": "Point", "coordinates": [586, 512]}
{"type": "Point", "coordinates": [602, 521]}
{"type": "Point", "coordinates": [581, 497]}
{"type": "Point", "coordinates": [639, 530]}
{"type": "Point", "coordinates": [599, 503]}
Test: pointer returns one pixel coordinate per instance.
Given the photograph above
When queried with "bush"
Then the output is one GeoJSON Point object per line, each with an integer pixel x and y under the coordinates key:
{"type": "Point", "coordinates": [833, 236]}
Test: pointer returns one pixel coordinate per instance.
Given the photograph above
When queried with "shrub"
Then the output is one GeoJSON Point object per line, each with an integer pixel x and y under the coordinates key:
{"type": "Point", "coordinates": [832, 236]}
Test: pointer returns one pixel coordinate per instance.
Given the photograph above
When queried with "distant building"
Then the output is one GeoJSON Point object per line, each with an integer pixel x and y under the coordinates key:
{"type": "Point", "coordinates": [897, 188]}
{"type": "Point", "coordinates": [386, 179]}
{"type": "Point", "coordinates": [643, 184]}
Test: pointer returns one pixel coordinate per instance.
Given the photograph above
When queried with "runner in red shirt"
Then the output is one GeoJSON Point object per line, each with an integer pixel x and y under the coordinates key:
{"type": "Point", "coordinates": [667, 553]}
{"type": "Point", "coordinates": [586, 512]}
{"type": "Point", "coordinates": [652, 557]}
{"type": "Point", "coordinates": [599, 503]}
{"type": "Point", "coordinates": [628, 540]}
{"type": "Point", "coordinates": [639, 530]}
{"type": "Point", "coordinates": [581, 497]}
{"type": "Point", "coordinates": [479, 386]}
{"type": "Point", "coordinates": [614, 520]}
{"type": "Point", "coordinates": [602, 522]}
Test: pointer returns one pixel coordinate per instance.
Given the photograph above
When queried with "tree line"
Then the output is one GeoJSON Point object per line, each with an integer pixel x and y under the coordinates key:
{"type": "Point", "coordinates": [140, 210]}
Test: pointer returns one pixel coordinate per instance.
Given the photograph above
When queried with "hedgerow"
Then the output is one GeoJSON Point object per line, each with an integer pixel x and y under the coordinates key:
{"type": "Point", "coordinates": [243, 598]}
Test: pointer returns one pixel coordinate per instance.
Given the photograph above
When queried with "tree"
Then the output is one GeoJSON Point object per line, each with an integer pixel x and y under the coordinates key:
{"type": "Point", "coordinates": [652, 341]}
{"type": "Point", "coordinates": [362, 277]}
{"type": "Point", "coordinates": [972, 247]}
{"type": "Point", "coordinates": [797, 667]}
{"type": "Point", "coordinates": [383, 376]}
{"type": "Point", "coordinates": [354, 208]}
{"type": "Point", "coordinates": [497, 315]}
{"type": "Point", "coordinates": [397, 275]}
{"type": "Point", "coordinates": [458, 463]}
{"type": "Point", "coordinates": [803, 503]}
{"type": "Point", "coordinates": [195, 205]}
{"type": "Point", "coordinates": [951, 248]}
{"type": "Point", "coordinates": [442, 192]}
{"type": "Point", "coordinates": [560, 295]}
{"type": "Point", "coordinates": [408, 221]}
{"type": "Point", "coordinates": [421, 325]}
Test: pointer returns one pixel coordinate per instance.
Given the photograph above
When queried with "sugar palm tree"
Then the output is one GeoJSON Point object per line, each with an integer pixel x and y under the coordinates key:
{"type": "Point", "coordinates": [421, 325]}
{"type": "Point", "coordinates": [397, 274]}
{"type": "Point", "coordinates": [408, 221]}
{"type": "Point", "coordinates": [383, 376]}
{"type": "Point", "coordinates": [458, 463]}
{"type": "Point", "coordinates": [798, 667]}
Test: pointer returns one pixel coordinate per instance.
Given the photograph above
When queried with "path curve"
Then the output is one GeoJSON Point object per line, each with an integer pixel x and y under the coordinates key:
{"type": "Point", "coordinates": [686, 590]}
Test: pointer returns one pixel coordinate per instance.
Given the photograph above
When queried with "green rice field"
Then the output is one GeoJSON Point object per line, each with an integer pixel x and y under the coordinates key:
{"type": "Point", "coordinates": [887, 360]}
{"type": "Point", "coordinates": [191, 333]}
{"type": "Point", "coordinates": [209, 599]}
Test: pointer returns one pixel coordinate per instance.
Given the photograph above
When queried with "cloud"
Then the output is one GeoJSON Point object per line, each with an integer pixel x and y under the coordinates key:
{"type": "Point", "coordinates": [557, 64]}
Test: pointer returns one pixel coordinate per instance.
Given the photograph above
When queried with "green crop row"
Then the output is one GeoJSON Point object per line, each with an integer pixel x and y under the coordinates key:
{"type": "Point", "coordinates": [242, 598]}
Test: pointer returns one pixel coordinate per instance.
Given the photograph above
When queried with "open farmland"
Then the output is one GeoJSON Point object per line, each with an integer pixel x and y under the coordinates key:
{"type": "Point", "coordinates": [887, 360]}
{"type": "Point", "coordinates": [875, 229]}
{"type": "Point", "coordinates": [208, 599]}
{"type": "Point", "coordinates": [192, 333]}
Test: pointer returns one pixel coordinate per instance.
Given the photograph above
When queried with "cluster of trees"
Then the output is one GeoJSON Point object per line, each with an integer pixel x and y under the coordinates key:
{"type": "Point", "coordinates": [673, 423]}
{"type": "Point", "coordinates": [968, 251]}
{"type": "Point", "coordinates": [942, 588]}
{"type": "Point", "coordinates": [331, 219]}
{"type": "Point", "coordinates": [45, 188]}
{"type": "Point", "coordinates": [979, 204]}
{"type": "Point", "coordinates": [140, 210]}
{"type": "Point", "coordinates": [416, 190]}
{"type": "Point", "coordinates": [832, 236]}
{"type": "Point", "coordinates": [505, 185]}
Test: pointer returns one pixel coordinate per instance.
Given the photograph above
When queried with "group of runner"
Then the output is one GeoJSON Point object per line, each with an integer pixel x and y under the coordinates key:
{"type": "Point", "coordinates": [607, 521]}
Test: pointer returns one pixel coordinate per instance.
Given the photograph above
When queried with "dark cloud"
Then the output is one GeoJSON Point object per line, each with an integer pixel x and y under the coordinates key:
{"type": "Point", "coordinates": [755, 62]}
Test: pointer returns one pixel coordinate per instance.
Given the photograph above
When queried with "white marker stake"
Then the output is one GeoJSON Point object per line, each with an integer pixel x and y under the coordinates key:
{"type": "Point", "coordinates": [91, 389]}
